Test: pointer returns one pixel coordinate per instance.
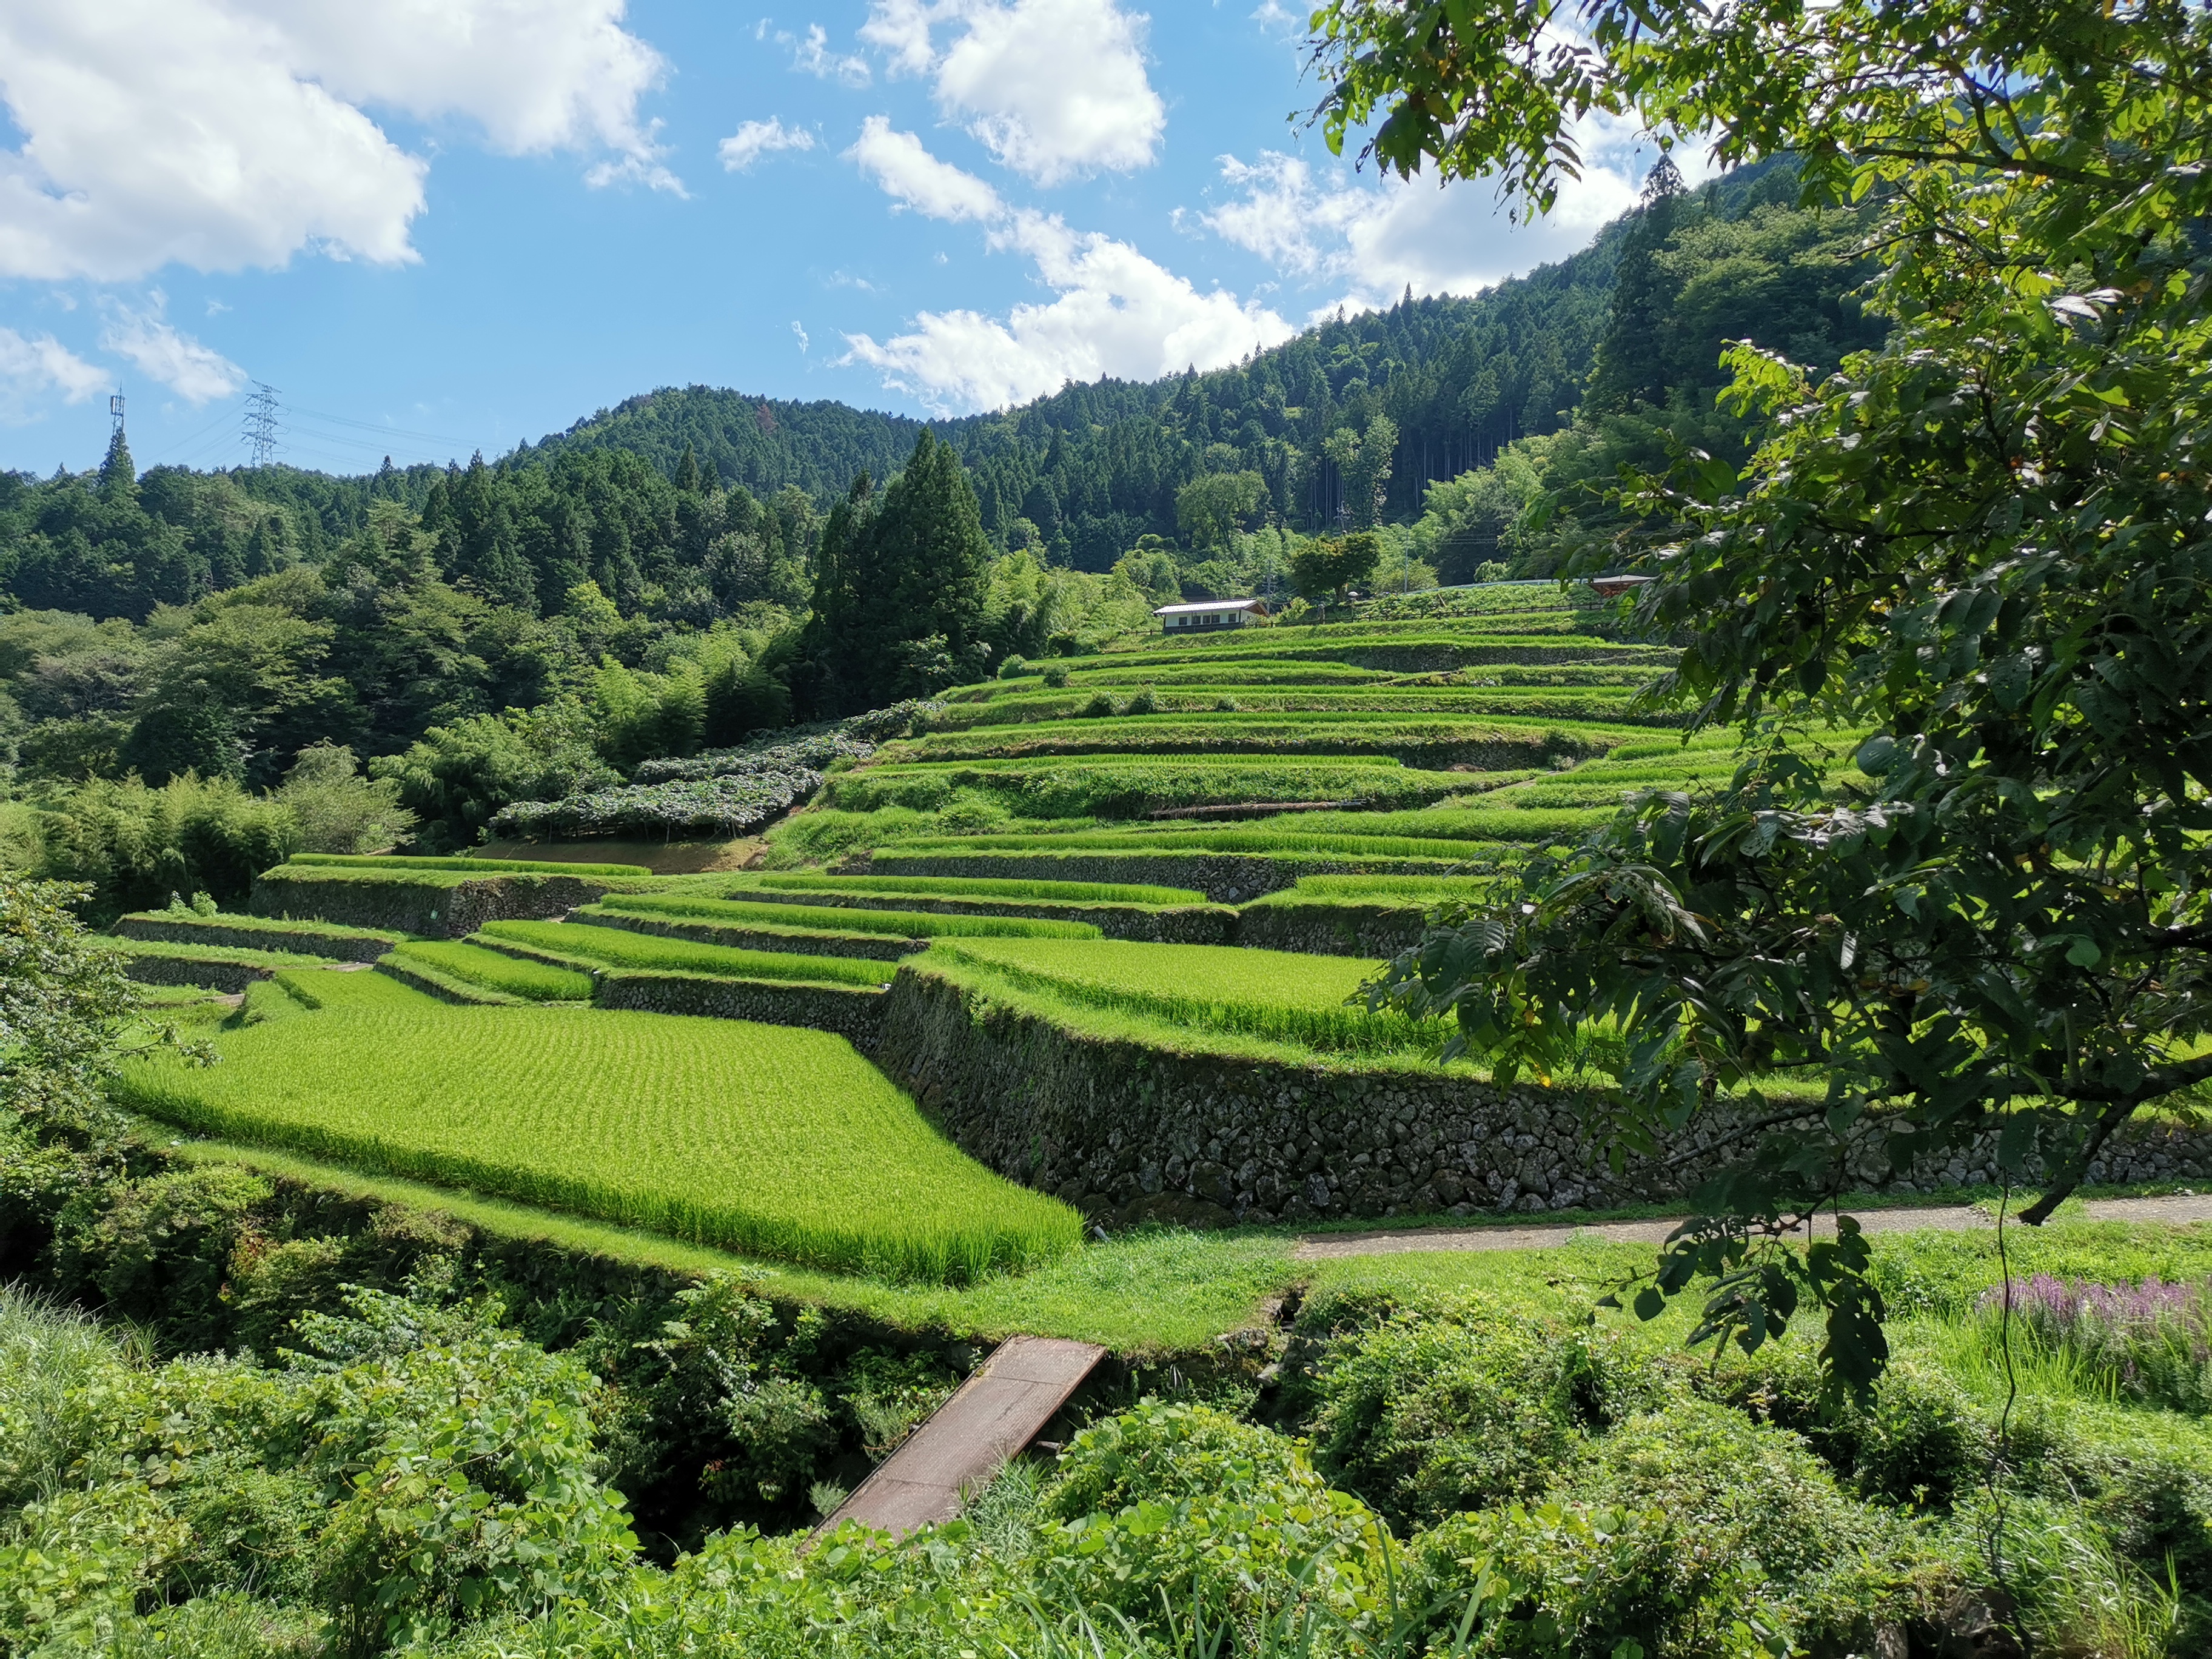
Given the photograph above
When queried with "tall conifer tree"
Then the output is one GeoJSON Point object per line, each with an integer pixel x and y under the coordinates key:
{"type": "Point", "coordinates": [119, 477]}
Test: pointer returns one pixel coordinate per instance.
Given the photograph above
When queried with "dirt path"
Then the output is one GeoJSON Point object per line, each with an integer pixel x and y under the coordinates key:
{"type": "Point", "coordinates": [1952, 1219]}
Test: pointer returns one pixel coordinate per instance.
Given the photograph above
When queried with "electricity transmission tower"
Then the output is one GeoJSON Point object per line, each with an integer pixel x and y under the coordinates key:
{"type": "Point", "coordinates": [260, 428]}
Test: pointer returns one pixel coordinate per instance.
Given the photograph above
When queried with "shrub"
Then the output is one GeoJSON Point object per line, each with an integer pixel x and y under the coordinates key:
{"type": "Point", "coordinates": [815, 753]}
{"type": "Point", "coordinates": [158, 1250]}
{"type": "Point", "coordinates": [1055, 677]}
{"type": "Point", "coordinates": [338, 809]}
{"type": "Point", "coordinates": [715, 805]}
{"type": "Point", "coordinates": [1179, 1512]}
{"type": "Point", "coordinates": [1918, 1442]}
{"type": "Point", "coordinates": [1582, 1581]}
{"type": "Point", "coordinates": [1433, 1411]}
{"type": "Point", "coordinates": [456, 777]}
{"type": "Point", "coordinates": [135, 845]}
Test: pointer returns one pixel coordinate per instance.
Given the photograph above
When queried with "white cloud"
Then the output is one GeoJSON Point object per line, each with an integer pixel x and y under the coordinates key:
{"type": "Point", "coordinates": [1379, 238]}
{"type": "Point", "coordinates": [229, 133]}
{"type": "Point", "coordinates": [902, 168]}
{"type": "Point", "coordinates": [1055, 88]}
{"type": "Point", "coordinates": [32, 367]}
{"type": "Point", "coordinates": [757, 138]}
{"type": "Point", "coordinates": [196, 373]}
{"type": "Point", "coordinates": [1117, 313]}
{"type": "Point", "coordinates": [900, 29]}
{"type": "Point", "coordinates": [800, 331]}
{"type": "Point", "coordinates": [813, 55]}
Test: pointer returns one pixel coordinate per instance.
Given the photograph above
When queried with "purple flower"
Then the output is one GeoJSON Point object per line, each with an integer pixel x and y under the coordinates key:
{"type": "Point", "coordinates": [2152, 1340]}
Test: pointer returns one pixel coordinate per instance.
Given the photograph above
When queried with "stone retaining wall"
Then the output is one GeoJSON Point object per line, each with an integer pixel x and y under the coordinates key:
{"type": "Point", "coordinates": [212, 972]}
{"type": "Point", "coordinates": [435, 910]}
{"type": "Point", "coordinates": [855, 1014]}
{"type": "Point", "coordinates": [301, 941]}
{"type": "Point", "coordinates": [1331, 930]}
{"type": "Point", "coordinates": [1130, 1133]}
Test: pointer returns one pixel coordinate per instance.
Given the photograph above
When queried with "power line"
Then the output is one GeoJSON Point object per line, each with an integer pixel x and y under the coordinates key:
{"type": "Point", "coordinates": [375, 426]}
{"type": "Point", "coordinates": [261, 427]}
{"type": "Point", "coordinates": [175, 450]}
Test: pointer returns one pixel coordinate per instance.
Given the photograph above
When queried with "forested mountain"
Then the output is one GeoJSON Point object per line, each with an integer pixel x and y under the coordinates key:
{"type": "Point", "coordinates": [658, 577]}
{"type": "Point", "coordinates": [1349, 423]}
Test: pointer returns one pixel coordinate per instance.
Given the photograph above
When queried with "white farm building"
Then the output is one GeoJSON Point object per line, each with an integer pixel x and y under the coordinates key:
{"type": "Point", "coordinates": [1212, 613]}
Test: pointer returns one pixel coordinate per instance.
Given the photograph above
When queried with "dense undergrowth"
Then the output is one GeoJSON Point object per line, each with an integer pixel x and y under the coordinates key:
{"type": "Point", "coordinates": [1421, 1470]}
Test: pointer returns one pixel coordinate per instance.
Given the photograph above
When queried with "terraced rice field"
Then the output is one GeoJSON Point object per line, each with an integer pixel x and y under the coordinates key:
{"type": "Point", "coordinates": [489, 970]}
{"type": "Point", "coordinates": [767, 1140]}
{"type": "Point", "coordinates": [1305, 1001]}
{"type": "Point", "coordinates": [899, 923]}
{"type": "Point", "coordinates": [612, 947]}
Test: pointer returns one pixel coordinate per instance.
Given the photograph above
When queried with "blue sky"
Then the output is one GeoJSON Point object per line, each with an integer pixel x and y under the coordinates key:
{"type": "Point", "coordinates": [439, 226]}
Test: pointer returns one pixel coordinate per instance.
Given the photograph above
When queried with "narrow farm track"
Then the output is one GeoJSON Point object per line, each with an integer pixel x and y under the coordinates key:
{"type": "Point", "coordinates": [2179, 1210]}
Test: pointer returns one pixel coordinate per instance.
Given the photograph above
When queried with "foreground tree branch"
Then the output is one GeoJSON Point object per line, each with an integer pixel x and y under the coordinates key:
{"type": "Point", "coordinates": [1979, 557]}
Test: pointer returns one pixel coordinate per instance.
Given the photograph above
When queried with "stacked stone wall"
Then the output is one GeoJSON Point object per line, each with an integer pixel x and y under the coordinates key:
{"type": "Point", "coordinates": [433, 909]}
{"type": "Point", "coordinates": [1128, 1132]}
{"type": "Point", "coordinates": [855, 1014]}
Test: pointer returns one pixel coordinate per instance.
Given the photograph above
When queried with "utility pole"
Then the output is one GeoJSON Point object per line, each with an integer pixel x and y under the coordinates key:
{"type": "Point", "coordinates": [260, 428]}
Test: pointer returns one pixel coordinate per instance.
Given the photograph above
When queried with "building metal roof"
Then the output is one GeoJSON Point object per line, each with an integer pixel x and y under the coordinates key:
{"type": "Point", "coordinates": [1194, 608]}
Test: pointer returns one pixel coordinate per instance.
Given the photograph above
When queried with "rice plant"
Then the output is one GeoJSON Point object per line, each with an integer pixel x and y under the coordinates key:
{"type": "Point", "coordinates": [615, 947]}
{"type": "Point", "coordinates": [1077, 892]}
{"type": "Point", "coordinates": [769, 1140]}
{"type": "Point", "coordinates": [533, 981]}
{"type": "Point", "coordinates": [1310, 1002]}
{"type": "Point", "coordinates": [903, 924]}
{"type": "Point", "coordinates": [1111, 787]}
{"type": "Point", "coordinates": [1163, 841]}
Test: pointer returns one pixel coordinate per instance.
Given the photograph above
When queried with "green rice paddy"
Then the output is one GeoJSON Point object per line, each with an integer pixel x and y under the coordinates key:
{"type": "Point", "coordinates": [1273, 995]}
{"type": "Point", "coordinates": [769, 1140]}
{"type": "Point", "coordinates": [615, 947]}
{"type": "Point", "coordinates": [532, 982]}
{"type": "Point", "coordinates": [1072, 892]}
{"type": "Point", "coordinates": [903, 924]}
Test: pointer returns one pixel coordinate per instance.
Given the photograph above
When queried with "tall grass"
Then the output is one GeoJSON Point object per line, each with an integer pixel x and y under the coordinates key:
{"type": "Point", "coordinates": [766, 1139]}
{"type": "Point", "coordinates": [615, 947]}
